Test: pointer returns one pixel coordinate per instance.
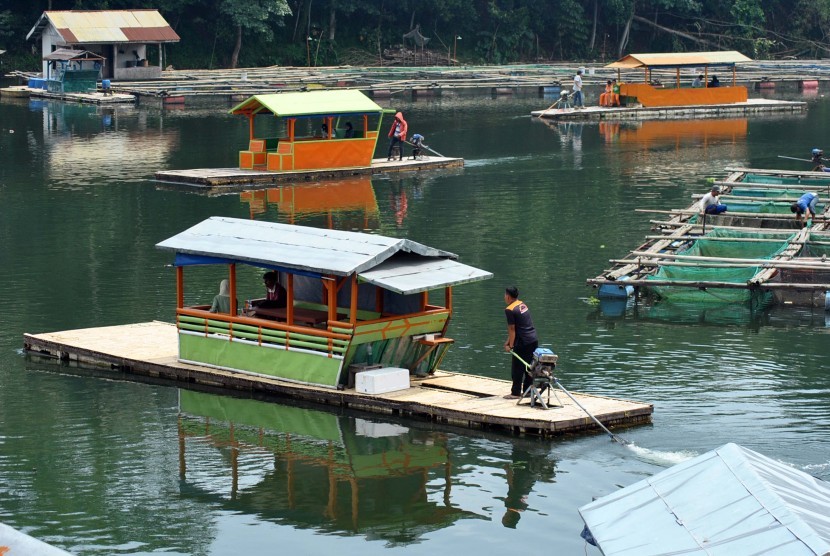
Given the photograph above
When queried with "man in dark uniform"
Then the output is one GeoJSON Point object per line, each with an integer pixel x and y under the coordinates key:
{"type": "Point", "coordinates": [521, 339]}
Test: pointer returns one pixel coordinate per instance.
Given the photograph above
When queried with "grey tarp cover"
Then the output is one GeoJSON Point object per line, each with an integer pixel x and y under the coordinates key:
{"type": "Point", "coordinates": [730, 501]}
{"type": "Point", "coordinates": [326, 252]}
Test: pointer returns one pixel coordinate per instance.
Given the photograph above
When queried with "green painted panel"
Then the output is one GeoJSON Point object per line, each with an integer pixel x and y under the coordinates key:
{"type": "Point", "coordinates": [373, 332]}
{"type": "Point", "coordinates": [274, 417]}
{"type": "Point", "coordinates": [279, 363]}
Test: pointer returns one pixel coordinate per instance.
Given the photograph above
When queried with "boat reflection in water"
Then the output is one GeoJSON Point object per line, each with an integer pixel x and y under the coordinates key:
{"type": "Point", "coordinates": [308, 468]}
{"type": "Point", "coordinates": [674, 132]}
{"type": "Point", "coordinates": [344, 204]}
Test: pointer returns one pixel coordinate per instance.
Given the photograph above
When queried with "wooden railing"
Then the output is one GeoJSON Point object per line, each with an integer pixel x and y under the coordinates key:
{"type": "Point", "coordinates": [264, 332]}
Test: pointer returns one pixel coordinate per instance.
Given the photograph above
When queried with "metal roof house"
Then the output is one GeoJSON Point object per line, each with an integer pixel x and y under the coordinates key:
{"type": "Point", "coordinates": [350, 299]}
{"type": "Point", "coordinates": [122, 37]}
{"type": "Point", "coordinates": [731, 500]}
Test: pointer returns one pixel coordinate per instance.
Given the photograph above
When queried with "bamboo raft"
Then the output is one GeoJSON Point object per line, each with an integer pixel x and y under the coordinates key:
{"type": "Point", "coordinates": [791, 276]}
{"type": "Point", "coordinates": [150, 349]}
{"type": "Point", "coordinates": [230, 179]}
{"type": "Point", "coordinates": [596, 113]}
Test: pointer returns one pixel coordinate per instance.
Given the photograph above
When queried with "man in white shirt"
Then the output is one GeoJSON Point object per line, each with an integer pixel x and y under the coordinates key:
{"type": "Point", "coordinates": [577, 98]}
{"type": "Point", "coordinates": [710, 204]}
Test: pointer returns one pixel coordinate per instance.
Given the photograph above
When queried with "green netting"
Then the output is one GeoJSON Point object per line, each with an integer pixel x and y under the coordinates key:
{"type": "Point", "coordinates": [763, 178]}
{"type": "Point", "coordinates": [813, 250]}
{"type": "Point", "coordinates": [747, 192]}
{"type": "Point", "coordinates": [708, 247]}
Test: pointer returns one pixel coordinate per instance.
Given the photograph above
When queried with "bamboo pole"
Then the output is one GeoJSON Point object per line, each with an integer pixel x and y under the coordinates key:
{"type": "Point", "coordinates": [738, 239]}
{"type": "Point", "coordinates": [646, 254]}
{"type": "Point", "coordinates": [702, 285]}
{"type": "Point", "coordinates": [687, 212]}
{"type": "Point", "coordinates": [789, 265]}
{"type": "Point", "coordinates": [742, 228]}
{"type": "Point", "coordinates": [752, 185]}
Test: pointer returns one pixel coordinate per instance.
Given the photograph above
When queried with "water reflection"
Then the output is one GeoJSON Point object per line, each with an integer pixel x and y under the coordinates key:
{"type": "Point", "coordinates": [651, 133]}
{"type": "Point", "coordinates": [307, 468]}
{"type": "Point", "coordinates": [344, 205]}
{"type": "Point", "coordinates": [87, 143]}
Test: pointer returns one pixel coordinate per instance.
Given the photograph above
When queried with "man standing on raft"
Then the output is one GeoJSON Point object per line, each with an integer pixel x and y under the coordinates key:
{"type": "Point", "coordinates": [521, 339]}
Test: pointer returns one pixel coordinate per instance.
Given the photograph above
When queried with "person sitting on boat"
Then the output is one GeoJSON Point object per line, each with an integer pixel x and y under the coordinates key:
{"type": "Point", "coordinates": [805, 208]}
{"type": "Point", "coordinates": [222, 300]}
{"type": "Point", "coordinates": [615, 93]}
{"type": "Point", "coordinates": [605, 98]}
{"type": "Point", "coordinates": [397, 134]}
{"type": "Point", "coordinates": [698, 82]}
{"type": "Point", "coordinates": [710, 204]}
{"type": "Point", "coordinates": [417, 144]}
{"type": "Point", "coordinates": [324, 130]}
{"type": "Point", "coordinates": [349, 133]}
{"type": "Point", "coordinates": [714, 82]}
{"type": "Point", "coordinates": [275, 294]}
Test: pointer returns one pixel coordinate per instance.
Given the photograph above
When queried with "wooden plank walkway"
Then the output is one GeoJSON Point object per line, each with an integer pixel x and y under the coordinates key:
{"type": "Point", "coordinates": [230, 178]}
{"type": "Point", "coordinates": [751, 106]}
{"type": "Point", "coordinates": [151, 349]}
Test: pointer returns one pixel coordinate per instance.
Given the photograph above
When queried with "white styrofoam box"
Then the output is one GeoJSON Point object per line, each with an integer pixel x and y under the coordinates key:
{"type": "Point", "coordinates": [380, 381]}
{"type": "Point", "coordinates": [378, 430]}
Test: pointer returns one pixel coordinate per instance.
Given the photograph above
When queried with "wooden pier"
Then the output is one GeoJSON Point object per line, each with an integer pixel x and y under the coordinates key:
{"type": "Point", "coordinates": [230, 178]}
{"type": "Point", "coordinates": [150, 349]}
{"type": "Point", "coordinates": [85, 98]}
{"type": "Point", "coordinates": [750, 107]}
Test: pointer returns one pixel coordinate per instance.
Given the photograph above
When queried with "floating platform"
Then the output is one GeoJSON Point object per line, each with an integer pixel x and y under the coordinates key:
{"type": "Point", "coordinates": [755, 252]}
{"type": "Point", "coordinates": [150, 349]}
{"type": "Point", "coordinates": [234, 177]}
{"type": "Point", "coordinates": [750, 107]}
{"type": "Point", "coordinates": [86, 98]}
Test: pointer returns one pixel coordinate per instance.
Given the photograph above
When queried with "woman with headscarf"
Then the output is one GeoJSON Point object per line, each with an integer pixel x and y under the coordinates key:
{"type": "Point", "coordinates": [222, 300]}
{"type": "Point", "coordinates": [397, 134]}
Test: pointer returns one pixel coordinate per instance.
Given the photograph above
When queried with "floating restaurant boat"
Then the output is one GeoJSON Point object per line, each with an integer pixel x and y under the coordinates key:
{"type": "Point", "coordinates": [357, 328]}
{"type": "Point", "coordinates": [654, 99]}
{"type": "Point", "coordinates": [754, 253]}
{"type": "Point", "coordinates": [312, 134]}
{"type": "Point", "coordinates": [731, 500]}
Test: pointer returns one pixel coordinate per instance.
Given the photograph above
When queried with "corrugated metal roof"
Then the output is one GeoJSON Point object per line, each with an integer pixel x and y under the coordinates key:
{"type": "Point", "coordinates": [307, 249]}
{"type": "Point", "coordinates": [406, 275]}
{"type": "Point", "coordinates": [348, 101]}
{"type": "Point", "coordinates": [679, 59]}
{"type": "Point", "coordinates": [107, 26]}
{"type": "Point", "coordinates": [728, 501]}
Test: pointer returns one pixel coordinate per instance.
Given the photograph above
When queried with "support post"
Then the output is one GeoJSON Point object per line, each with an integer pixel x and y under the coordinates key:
{"type": "Point", "coordinates": [353, 307]}
{"type": "Point", "coordinates": [232, 283]}
{"type": "Point", "coordinates": [179, 287]}
{"type": "Point", "coordinates": [289, 299]}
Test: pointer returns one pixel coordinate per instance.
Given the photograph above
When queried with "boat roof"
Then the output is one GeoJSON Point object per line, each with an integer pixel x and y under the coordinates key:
{"type": "Point", "coordinates": [400, 265]}
{"type": "Point", "coordinates": [309, 103]}
{"type": "Point", "coordinates": [731, 500]}
{"type": "Point", "coordinates": [680, 59]}
{"type": "Point", "coordinates": [71, 54]}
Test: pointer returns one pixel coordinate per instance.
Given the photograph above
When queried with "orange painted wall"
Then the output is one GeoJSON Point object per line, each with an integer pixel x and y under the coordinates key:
{"type": "Point", "coordinates": [651, 97]}
{"type": "Point", "coordinates": [338, 153]}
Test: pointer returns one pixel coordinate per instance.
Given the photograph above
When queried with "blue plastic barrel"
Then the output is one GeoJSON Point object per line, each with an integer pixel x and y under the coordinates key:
{"type": "Point", "coordinates": [616, 291]}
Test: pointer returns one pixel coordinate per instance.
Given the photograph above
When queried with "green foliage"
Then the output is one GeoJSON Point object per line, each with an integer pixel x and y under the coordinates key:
{"type": "Point", "coordinates": [491, 31]}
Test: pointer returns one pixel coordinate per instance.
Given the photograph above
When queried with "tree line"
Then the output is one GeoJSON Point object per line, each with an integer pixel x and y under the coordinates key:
{"type": "Point", "coordinates": [250, 33]}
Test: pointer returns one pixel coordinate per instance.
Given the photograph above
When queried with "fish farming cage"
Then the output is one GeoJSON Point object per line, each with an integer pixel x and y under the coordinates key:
{"type": "Point", "coordinates": [717, 244]}
{"type": "Point", "coordinates": [816, 249]}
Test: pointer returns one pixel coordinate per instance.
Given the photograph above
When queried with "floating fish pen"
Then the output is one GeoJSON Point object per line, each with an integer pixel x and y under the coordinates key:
{"type": "Point", "coordinates": [755, 253]}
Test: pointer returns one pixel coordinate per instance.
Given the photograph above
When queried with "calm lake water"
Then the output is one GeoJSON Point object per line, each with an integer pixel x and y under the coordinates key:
{"type": "Point", "coordinates": [99, 466]}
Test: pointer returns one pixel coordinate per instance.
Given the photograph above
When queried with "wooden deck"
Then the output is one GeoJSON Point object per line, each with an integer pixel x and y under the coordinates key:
{"type": "Point", "coordinates": [234, 178]}
{"type": "Point", "coordinates": [750, 107]}
{"type": "Point", "coordinates": [150, 349]}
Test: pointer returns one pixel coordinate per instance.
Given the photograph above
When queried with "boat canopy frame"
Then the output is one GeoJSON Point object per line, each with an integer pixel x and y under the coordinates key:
{"type": "Point", "coordinates": [680, 60]}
